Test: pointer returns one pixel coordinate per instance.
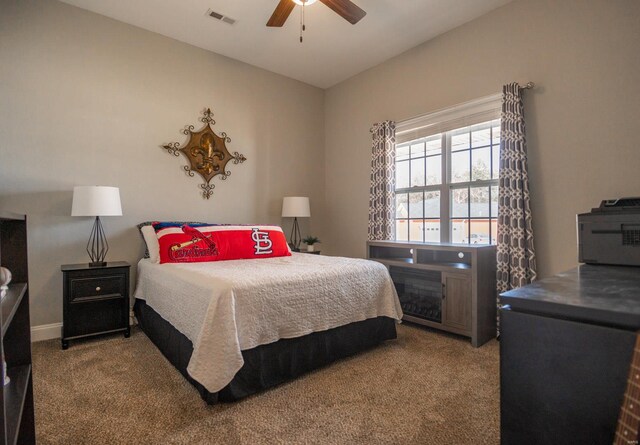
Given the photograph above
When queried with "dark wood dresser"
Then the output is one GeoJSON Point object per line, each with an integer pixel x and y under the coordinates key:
{"type": "Point", "coordinates": [96, 300]}
{"type": "Point", "coordinates": [565, 348]}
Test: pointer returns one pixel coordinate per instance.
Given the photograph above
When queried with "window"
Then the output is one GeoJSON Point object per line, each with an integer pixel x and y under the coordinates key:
{"type": "Point", "coordinates": [447, 182]}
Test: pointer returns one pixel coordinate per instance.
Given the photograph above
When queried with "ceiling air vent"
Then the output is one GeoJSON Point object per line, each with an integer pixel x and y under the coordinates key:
{"type": "Point", "coordinates": [221, 17]}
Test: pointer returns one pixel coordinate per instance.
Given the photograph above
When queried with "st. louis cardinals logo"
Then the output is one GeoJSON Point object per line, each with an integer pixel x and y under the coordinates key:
{"type": "Point", "coordinates": [190, 249]}
{"type": "Point", "coordinates": [263, 243]}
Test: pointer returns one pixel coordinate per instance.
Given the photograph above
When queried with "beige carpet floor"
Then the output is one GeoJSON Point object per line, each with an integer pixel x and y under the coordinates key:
{"type": "Point", "coordinates": [424, 388]}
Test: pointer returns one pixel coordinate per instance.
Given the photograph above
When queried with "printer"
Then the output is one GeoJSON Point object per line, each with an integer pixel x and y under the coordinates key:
{"type": "Point", "coordinates": [610, 234]}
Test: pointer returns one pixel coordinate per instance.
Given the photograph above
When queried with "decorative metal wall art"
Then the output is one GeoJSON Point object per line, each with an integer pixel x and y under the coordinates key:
{"type": "Point", "coordinates": [206, 152]}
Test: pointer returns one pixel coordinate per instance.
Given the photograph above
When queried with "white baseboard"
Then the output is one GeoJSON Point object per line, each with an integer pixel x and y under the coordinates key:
{"type": "Point", "coordinates": [54, 330]}
{"type": "Point", "coordinates": [46, 332]}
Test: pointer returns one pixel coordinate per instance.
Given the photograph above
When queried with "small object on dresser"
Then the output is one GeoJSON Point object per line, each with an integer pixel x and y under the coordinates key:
{"type": "Point", "coordinates": [310, 241]}
{"type": "Point", "coordinates": [5, 279]}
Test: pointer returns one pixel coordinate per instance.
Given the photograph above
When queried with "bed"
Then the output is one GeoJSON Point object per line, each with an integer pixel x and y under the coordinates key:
{"type": "Point", "coordinates": [234, 328]}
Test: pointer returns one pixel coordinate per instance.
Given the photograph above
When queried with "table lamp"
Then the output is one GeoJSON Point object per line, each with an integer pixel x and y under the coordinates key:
{"type": "Point", "coordinates": [295, 207]}
{"type": "Point", "coordinates": [93, 200]}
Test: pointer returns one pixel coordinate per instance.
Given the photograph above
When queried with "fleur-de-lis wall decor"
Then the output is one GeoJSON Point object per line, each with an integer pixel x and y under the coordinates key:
{"type": "Point", "coordinates": [207, 153]}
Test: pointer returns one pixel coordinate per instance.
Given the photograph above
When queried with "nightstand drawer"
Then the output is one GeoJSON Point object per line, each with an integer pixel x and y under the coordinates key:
{"type": "Point", "coordinates": [97, 316]}
{"type": "Point", "coordinates": [97, 288]}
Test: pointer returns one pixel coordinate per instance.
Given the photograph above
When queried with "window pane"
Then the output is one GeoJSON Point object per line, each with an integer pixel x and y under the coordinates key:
{"type": "Point", "coordinates": [417, 172]}
{"type": "Point", "coordinates": [460, 166]}
{"type": "Point", "coordinates": [494, 202]}
{"type": "Point", "coordinates": [401, 230]}
{"type": "Point", "coordinates": [432, 204]}
{"type": "Point", "coordinates": [495, 162]}
{"type": "Point", "coordinates": [494, 231]}
{"type": "Point", "coordinates": [402, 174]}
{"type": "Point", "coordinates": [459, 203]}
{"type": "Point", "coordinates": [459, 230]}
{"type": "Point", "coordinates": [479, 202]}
{"type": "Point", "coordinates": [480, 138]}
{"type": "Point", "coordinates": [434, 145]}
{"type": "Point", "coordinates": [481, 164]}
{"type": "Point", "coordinates": [434, 170]}
{"type": "Point", "coordinates": [479, 232]}
{"type": "Point", "coordinates": [416, 205]}
{"type": "Point", "coordinates": [460, 139]}
{"type": "Point", "coordinates": [402, 205]}
{"type": "Point", "coordinates": [432, 230]}
{"type": "Point", "coordinates": [417, 150]}
{"type": "Point", "coordinates": [402, 152]}
{"type": "Point", "coordinates": [495, 133]}
{"type": "Point", "coordinates": [416, 230]}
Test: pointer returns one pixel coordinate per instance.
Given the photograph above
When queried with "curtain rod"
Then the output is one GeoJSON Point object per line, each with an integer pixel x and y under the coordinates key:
{"type": "Point", "coordinates": [528, 86]}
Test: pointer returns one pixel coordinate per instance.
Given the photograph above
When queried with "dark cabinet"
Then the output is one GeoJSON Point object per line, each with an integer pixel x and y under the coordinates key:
{"type": "Point", "coordinates": [562, 382]}
{"type": "Point", "coordinates": [566, 344]}
{"type": "Point", "coordinates": [96, 300]}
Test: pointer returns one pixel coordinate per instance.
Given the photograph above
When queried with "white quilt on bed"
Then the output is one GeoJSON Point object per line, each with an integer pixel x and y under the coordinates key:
{"type": "Point", "coordinates": [226, 307]}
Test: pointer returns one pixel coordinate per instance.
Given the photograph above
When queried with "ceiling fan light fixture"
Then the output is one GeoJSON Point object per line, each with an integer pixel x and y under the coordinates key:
{"type": "Point", "coordinates": [344, 8]}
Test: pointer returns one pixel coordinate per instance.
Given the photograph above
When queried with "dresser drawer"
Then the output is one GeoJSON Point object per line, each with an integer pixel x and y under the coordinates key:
{"type": "Point", "coordinates": [97, 288]}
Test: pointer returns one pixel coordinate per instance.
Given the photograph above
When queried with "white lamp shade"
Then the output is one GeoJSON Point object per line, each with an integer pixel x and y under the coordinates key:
{"type": "Point", "coordinates": [94, 200]}
{"type": "Point", "coordinates": [295, 207]}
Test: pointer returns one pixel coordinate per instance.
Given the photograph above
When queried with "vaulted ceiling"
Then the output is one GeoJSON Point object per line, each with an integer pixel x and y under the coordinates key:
{"type": "Point", "coordinates": [333, 49]}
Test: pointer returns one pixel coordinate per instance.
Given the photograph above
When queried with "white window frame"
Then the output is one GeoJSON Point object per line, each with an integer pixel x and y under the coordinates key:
{"type": "Point", "coordinates": [444, 121]}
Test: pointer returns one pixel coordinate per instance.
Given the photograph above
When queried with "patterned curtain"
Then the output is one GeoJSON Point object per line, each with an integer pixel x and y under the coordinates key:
{"type": "Point", "coordinates": [383, 178]}
{"type": "Point", "coordinates": [516, 255]}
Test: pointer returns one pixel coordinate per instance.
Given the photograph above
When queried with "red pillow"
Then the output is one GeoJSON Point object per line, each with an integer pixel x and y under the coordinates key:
{"type": "Point", "coordinates": [187, 244]}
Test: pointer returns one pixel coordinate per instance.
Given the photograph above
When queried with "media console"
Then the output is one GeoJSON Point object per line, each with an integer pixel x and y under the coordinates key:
{"type": "Point", "coordinates": [444, 286]}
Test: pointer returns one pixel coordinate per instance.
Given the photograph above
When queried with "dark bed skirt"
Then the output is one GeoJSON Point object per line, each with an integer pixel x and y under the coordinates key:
{"type": "Point", "coordinates": [269, 365]}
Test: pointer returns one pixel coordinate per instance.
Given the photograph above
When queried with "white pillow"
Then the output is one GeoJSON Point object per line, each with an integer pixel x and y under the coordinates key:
{"type": "Point", "coordinates": [151, 239]}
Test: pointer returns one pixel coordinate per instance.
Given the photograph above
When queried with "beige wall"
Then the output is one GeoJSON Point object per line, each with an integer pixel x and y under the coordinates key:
{"type": "Point", "coordinates": [88, 100]}
{"type": "Point", "coordinates": [582, 118]}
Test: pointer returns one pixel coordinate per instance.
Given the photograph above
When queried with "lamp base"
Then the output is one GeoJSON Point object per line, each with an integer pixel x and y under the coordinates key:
{"type": "Point", "coordinates": [98, 264]}
{"type": "Point", "coordinates": [97, 247]}
{"type": "Point", "coordinates": [296, 238]}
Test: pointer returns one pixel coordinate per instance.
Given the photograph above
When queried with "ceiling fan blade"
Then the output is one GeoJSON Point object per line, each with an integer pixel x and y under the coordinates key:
{"type": "Point", "coordinates": [281, 13]}
{"type": "Point", "coordinates": [346, 9]}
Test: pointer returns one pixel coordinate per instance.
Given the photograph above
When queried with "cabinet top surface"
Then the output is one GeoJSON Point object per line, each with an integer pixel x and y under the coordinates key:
{"type": "Point", "coordinates": [600, 294]}
{"type": "Point", "coordinates": [431, 245]}
{"type": "Point", "coordinates": [5, 215]}
{"type": "Point", "coordinates": [85, 266]}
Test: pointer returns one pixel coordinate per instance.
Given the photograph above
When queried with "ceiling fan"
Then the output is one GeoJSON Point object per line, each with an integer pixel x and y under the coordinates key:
{"type": "Point", "coordinates": [344, 8]}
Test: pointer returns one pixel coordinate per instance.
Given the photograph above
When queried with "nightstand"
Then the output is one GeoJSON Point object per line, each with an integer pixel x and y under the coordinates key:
{"type": "Point", "coordinates": [95, 300]}
{"type": "Point", "coordinates": [315, 252]}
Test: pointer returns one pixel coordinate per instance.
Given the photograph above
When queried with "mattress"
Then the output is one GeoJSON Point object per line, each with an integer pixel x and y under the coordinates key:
{"type": "Point", "coordinates": [227, 307]}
